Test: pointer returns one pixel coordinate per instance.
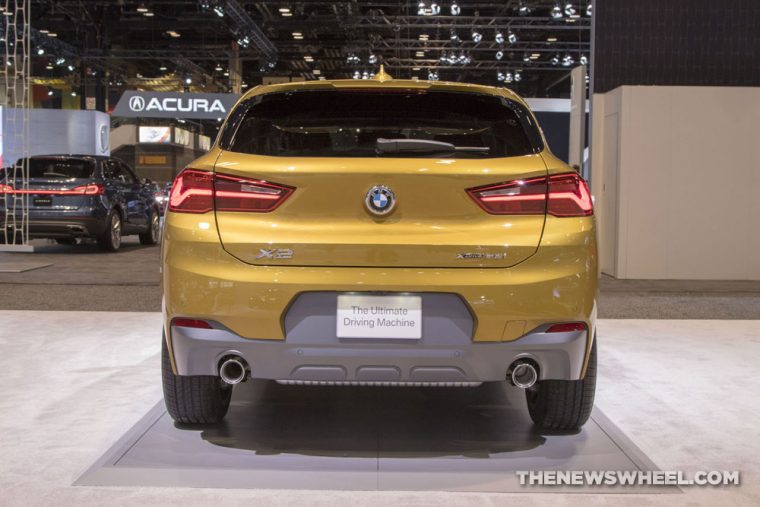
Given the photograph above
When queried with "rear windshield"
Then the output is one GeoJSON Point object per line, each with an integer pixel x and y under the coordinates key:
{"type": "Point", "coordinates": [348, 124]}
{"type": "Point", "coordinates": [60, 168]}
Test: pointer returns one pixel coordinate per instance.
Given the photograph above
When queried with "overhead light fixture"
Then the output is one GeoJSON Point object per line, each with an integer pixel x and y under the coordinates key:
{"type": "Point", "coordinates": [52, 34]}
{"type": "Point", "coordinates": [40, 51]}
{"type": "Point", "coordinates": [551, 39]}
{"type": "Point", "coordinates": [419, 54]}
{"type": "Point", "coordinates": [589, 9]}
{"type": "Point", "coordinates": [454, 36]}
{"type": "Point", "coordinates": [511, 37]}
{"type": "Point", "coordinates": [44, 31]}
{"type": "Point", "coordinates": [218, 68]}
{"type": "Point", "coordinates": [173, 34]}
{"type": "Point", "coordinates": [476, 36]}
{"type": "Point", "coordinates": [535, 56]}
{"type": "Point", "coordinates": [142, 8]}
{"type": "Point", "coordinates": [372, 59]}
{"type": "Point", "coordinates": [432, 75]}
{"type": "Point", "coordinates": [567, 60]}
{"type": "Point", "coordinates": [518, 76]}
{"type": "Point", "coordinates": [455, 9]}
{"type": "Point", "coordinates": [49, 66]}
{"type": "Point", "coordinates": [50, 93]}
{"type": "Point", "coordinates": [297, 35]}
{"type": "Point", "coordinates": [499, 54]}
{"type": "Point", "coordinates": [148, 14]}
{"type": "Point", "coordinates": [283, 10]}
{"type": "Point", "coordinates": [584, 60]}
{"type": "Point", "coordinates": [316, 72]}
{"type": "Point", "coordinates": [357, 75]}
{"type": "Point", "coordinates": [73, 93]}
{"type": "Point", "coordinates": [421, 8]}
{"type": "Point", "coordinates": [60, 61]}
{"type": "Point", "coordinates": [435, 9]}
{"type": "Point", "coordinates": [226, 74]}
{"type": "Point", "coordinates": [569, 9]}
{"type": "Point", "coordinates": [219, 10]}
{"type": "Point", "coordinates": [464, 59]}
{"type": "Point", "coordinates": [71, 68]}
{"type": "Point", "coordinates": [499, 38]}
{"type": "Point", "coordinates": [556, 12]}
{"type": "Point", "coordinates": [508, 77]}
{"type": "Point", "coordinates": [555, 59]}
{"type": "Point", "coordinates": [424, 37]}
{"type": "Point", "coordinates": [523, 10]}
{"type": "Point", "coordinates": [500, 76]}
{"type": "Point", "coordinates": [188, 80]}
{"type": "Point", "coordinates": [415, 69]}
{"type": "Point", "coordinates": [308, 58]}
{"type": "Point", "coordinates": [162, 68]}
{"type": "Point", "coordinates": [526, 58]}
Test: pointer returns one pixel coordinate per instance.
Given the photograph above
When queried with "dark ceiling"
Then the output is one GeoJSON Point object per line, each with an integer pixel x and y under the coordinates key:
{"type": "Point", "coordinates": [132, 41]}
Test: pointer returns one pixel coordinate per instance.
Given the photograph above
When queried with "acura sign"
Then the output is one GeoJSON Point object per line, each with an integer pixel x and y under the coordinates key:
{"type": "Point", "coordinates": [174, 105]}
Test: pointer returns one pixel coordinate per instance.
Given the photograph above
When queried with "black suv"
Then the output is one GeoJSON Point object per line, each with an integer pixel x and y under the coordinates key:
{"type": "Point", "coordinates": [80, 196]}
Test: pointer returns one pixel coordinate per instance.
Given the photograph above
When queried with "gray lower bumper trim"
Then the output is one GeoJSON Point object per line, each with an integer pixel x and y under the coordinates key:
{"type": "Point", "coordinates": [559, 356]}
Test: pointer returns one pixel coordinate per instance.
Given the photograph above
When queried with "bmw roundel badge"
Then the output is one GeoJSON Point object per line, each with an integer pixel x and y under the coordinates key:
{"type": "Point", "coordinates": [380, 200]}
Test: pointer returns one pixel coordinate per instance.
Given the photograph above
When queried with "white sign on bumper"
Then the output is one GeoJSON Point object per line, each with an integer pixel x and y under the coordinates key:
{"type": "Point", "coordinates": [379, 317]}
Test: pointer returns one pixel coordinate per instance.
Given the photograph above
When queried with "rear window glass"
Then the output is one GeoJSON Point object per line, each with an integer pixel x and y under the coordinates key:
{"type": "Point", "coordinates": [60, 168]}
{"type": "Point", "coordinates": [349, 123]}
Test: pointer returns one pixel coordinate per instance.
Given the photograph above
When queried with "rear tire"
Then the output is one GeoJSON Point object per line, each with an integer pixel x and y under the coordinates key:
{"type": "Point", "coordinates": [196, 399]}
{"type": "Point", "coordinates": [150, 237]}
{"type": "Point", "coordinates": [110, 239]}
{"type": "Point", "coordinates": [564, 404]}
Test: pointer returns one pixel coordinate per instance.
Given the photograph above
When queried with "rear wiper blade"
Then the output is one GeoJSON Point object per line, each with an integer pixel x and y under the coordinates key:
{"type": "Point", "coordinates": [422, 146]}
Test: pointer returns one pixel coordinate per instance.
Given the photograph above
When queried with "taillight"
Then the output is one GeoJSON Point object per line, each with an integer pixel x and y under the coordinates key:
{"type": "Point", "coordinates": [196, 191]}
{"type": "Point", "coordinates": [233, 193]}
{"type": "Point", "coordinates": [561, 195]}
{"type": "Point", "coordinates": [196, 323]}
{"type": "Point", "coordinates": [93, 189]}
{"type": "Point", "coordinates": [566, 327]}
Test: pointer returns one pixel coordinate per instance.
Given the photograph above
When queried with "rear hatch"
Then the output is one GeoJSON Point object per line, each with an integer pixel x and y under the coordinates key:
{"type": "Point", "coordinates": [320, 149]}
{"type": "Point", "coordinates": [55, 183]}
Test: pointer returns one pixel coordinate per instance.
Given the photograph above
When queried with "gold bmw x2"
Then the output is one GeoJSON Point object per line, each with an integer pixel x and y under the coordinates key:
{"type": "Point", "coordinates": [380, 232]}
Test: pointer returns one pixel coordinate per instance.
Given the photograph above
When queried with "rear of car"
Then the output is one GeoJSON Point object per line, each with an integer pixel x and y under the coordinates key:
{"type": "Point", "coordinates": [68, 197]}
{"type": "Point", "coordinates": [380, 233]}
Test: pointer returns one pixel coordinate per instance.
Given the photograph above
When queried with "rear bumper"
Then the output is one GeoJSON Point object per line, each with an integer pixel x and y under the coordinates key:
{"type": "Point", "coordinates": [559, 356]}
{"type": "Point", "coordinates": [85, 222]}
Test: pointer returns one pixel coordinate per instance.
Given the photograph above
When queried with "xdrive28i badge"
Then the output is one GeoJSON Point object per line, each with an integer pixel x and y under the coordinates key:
{"type": "Point", "coordinates": [380, 200]}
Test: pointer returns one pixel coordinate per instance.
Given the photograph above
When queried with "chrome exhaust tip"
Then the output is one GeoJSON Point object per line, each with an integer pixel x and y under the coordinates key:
{"type": "Point", "coordinates": [233, 370]}
{"type": "Point", "coordinates": [522, 374]}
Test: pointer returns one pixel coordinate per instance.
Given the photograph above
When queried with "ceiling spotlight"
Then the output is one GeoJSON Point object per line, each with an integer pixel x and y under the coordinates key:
{"type": "Point", "coordinates": [569, 9]}
{"type": "Point", "coordinates": [372, 58]}
{"type": "Point", "coordinates": [49, 66]}
{"type": "Point", "coordinates": [432, 75]}
{"type": "Point", "coordinates": [71, 68]}
{"type": "Point", "coordinates": [555, 60]}
{"type": "Point", "coordinates": [219, 10]}
{"type": "Point", "coordinates": [142, 8]}
{"type": "Point", "coordinates": [271, 64]}
{"type": "Point", "coordinates": [421, 9]}
{"type": "Point", "coordinates": [499, 38]}
{"type": "Point", "coordinates": [464, 59]}
{"type": "Point", "coordinates": [60, 61]}
{"type": "Point", "coordinates": [455, 9]}
{"type": "Point", "coordinates": [419, 54]}
{"type": "Point", "coordinates": [500, 76]}
{"type": "Point", "coordinates": [508, 77]}
{"type": "Point", "coordinates": [435, 9]}
{"type": "Point", "coordinates": [556, 12]}
{"type": "Point", "coordinates": [297, 35]}
{"type": "Point", "coordinates": [499, 55]}
{"type": "Point", "coordinates": [526, 57]}
{"type": "Point", "coordinates": [584, 60]}
{"type": "Point", "coordinates": [148, 14]}
{"type": "Point", "coordinates": [352, 59]}
{"type": "Point", "coordinates": [357, 74]}
{"type": "Point", "coordinates": [52, 34]}
{"type": "Point", "coordinates": [523, 10]}
{"type": "Point", "coordinates": [173, 34]}
{"type": "Point", "coordinates": [567, 60]}
{"type": "Point", "coordinates": [308, 58]}
{"type": "Point", "coordinates": [453, 36]}
{"type": "Point", "coordinates": [365, 75]}
{"type": "Point", "coordinates": [518, 76]}
{"type": "Point", "coordinates": [316, 72]}
{"type": "Point", "coordinates": [476, 36]}
{"type": "Point", "coordinates": [511, 37]}
{"type": "Point", "coordinates": [40, 51]}
{"type": "Point", "coordinates": [188, 80]}
{"type": "Point", "coordinates": [589, 9]}
{"type": "Point", "coordinates": [73, 93]}
{"type": "Point", "coordinates": [50, 93]}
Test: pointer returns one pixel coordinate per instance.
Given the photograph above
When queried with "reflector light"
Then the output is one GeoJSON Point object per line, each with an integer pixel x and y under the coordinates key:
{"type": "Point", "coordinates": [567, 327]}
{"type": "Point", "coordinates": [197, 191]}
{"type": "Point", "coordinates": [196, 323]}
{"type": "Point", "coordinates": [560, 195]}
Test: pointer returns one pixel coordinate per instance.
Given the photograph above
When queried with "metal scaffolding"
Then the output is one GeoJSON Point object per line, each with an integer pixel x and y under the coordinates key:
{"type": "Point", "coordinates": [14, 125]}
